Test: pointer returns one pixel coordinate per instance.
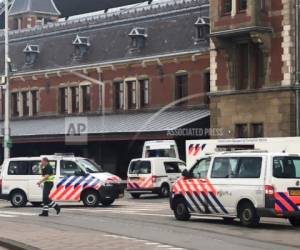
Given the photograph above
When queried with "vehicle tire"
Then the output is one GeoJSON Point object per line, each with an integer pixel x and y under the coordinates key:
{"type": "Point", "coordinates": [181, 211]}
{"type": "Point", "coordinates": [135, 196]}
{"type": "Point", "coordinates": [248, 215]}
{"type": "Point", "coordinates": [295, 221]}
{"type": "Point", "coordinates": [91, 198]}
{"type": "Point", "coordinates": [228, 220]}
{"type": "Point", "coordinates": [36, 204]}
{"type": "Point", "coordinates": [164, 191]}
{"type": "Point", "coordinates": [107, 202]}
{"type": "Point", "coordinates": [18, 199]}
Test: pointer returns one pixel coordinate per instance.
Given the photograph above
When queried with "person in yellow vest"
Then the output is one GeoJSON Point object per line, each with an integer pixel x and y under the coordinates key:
{"type": "Point", "coordinates": [47, 181]}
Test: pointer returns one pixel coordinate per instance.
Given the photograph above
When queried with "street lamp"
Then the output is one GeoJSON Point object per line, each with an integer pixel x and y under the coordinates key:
{"type": "Point", "coordinates": [6, 141]}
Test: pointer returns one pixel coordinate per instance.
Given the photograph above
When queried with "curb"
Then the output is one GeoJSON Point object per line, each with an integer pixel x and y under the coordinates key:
{"type": "Point", "coordinates": [15, 245]}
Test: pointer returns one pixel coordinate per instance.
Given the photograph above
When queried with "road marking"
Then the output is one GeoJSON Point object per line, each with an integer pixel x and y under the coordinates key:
{"type": "Point", "coordinates": [148, 243]}
{"type": "Point", "coordinates": [7, 216]}
{"type": "Point", "coordinates": [17, 213]}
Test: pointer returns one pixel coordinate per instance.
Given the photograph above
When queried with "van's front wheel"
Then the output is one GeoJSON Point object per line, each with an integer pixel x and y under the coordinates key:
{"type": "Point", "coordinates": [181, 211]}
{"type": "Point", "coordinates": [18, 199]}
{"type": "Point", "coordinates": [91, 198]}
{"type": "Point", "coordinates": [295, 221]}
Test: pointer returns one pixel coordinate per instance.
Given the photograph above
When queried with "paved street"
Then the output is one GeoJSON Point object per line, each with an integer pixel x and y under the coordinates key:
{"type": "Point", "coordinates": [147, 223]}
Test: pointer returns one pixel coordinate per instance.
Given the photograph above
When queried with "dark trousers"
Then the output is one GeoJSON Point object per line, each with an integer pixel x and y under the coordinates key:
{"type": "Point", "coordinates": [46, 199]}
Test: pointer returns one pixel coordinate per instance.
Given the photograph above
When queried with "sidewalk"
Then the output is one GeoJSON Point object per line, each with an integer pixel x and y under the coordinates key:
{"type": "Point", "coordinates": [49, 238]}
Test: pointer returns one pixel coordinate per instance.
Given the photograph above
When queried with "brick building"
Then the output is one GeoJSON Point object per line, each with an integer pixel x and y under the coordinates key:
{"type": "Point", "coordinates": [253, 65]}
{"type": "Point", "coordinates": [114, 70]}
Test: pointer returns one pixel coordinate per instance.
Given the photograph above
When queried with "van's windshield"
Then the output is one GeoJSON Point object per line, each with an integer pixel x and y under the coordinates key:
{"type": "Point", "coordinates": [89, 166]}
{"type": "Point", "coordinates": [150, 153]}
{"type": "Point", "coordinates": [286, 167]}
{"type": "Point", "coordinates": [140, 167]}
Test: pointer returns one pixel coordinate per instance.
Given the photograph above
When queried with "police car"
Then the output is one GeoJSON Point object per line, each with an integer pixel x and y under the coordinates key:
{"type": "Point", "coordinates": [76, 179]}
{"type": "Point", "coordinates": [247, 185]}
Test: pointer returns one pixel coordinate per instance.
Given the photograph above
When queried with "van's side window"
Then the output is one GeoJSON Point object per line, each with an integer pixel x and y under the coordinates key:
{"type": "Point", "coordinates": [172, 167]}
{"type": "Point", "coordinates": [34, 167]}
{"type": "Point", "coordinates": [17, 168]}
{"type": "Point", "coordinates": [69, 168]}
{"type": "Point", "coordinates": [249, 167]}
{"type": "Point", "coordinates": [224, 167]}
{"type": "Point", "coordinates": [200, 169]}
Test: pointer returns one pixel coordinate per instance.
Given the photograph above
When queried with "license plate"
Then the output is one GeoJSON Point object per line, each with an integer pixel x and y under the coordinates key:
{"type": "Point", "coordinates": [295, 192]}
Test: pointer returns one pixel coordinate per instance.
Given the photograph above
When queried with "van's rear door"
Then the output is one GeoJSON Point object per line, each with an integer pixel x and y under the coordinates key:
{"type": "Point", "coordinates": [140, 175]}
{"type": "Point", "coordinates": [286, 182]}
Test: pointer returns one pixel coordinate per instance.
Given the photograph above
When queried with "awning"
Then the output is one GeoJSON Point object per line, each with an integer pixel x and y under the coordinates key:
{"type": "Point", "coordinates": [147, 122]}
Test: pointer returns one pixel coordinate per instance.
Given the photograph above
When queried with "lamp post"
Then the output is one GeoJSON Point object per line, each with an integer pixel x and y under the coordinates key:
{"type": "Point", "coordinates": [6, 142]}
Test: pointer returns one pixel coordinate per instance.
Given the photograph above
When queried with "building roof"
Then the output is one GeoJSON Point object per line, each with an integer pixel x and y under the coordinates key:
{"type": "Point", "coordinates": [45, 7]}
{"type": "Point", "coordinates": [108, 37]}
{"type": "Point", "coordinates": [110, 124]}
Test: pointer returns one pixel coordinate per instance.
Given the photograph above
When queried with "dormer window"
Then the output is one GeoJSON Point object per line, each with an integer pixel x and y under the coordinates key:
{"type": "Point", "coordinates": [81, 46]}
{"type": "Point", "coordinates": [202, 28]}
{"type": "Point", "coordinates": [31, 53]}
{"type": "Point", "coordinates": [138, 38]}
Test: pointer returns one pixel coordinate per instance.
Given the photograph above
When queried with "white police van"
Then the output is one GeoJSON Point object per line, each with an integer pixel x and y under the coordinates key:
{"type": "Point", "coordinates": [153, 175]}
{"type": "Point", "coordinates": [247, 185]}
{"type": "Point", "coordinates": [76, 179]}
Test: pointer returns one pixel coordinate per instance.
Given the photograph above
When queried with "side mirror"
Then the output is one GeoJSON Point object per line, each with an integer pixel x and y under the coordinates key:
{"type": "Point", "coordinates": [79, 173]}
{"type": "Point", "coordinates": [186, 174]}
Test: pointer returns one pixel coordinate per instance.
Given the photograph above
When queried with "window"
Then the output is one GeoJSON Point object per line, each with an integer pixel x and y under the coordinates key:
{"type": "Point", "coordinates": [200, 169]}
{"type": "Point", "coordinates": [202, 28]}
{"type": "Point", "coordinates": [242, 5]}
{"type": "Point", "coordinates": [86, 98]}
{"type": "Point", "coordinates": [131, 94]}
{"type": "Point", "coordinates": [119, 95]}
{"type": "Point", "coordinates": [224, 167]}
{"type": "Point", "coordinates": [226, 7]}
{"type": "Point", "coordinates": [39, 21]}
{"type": "Point", "coordinates": [243, 66]}
{"type": "Point", "coordinates": [75, 99]}
{"type": "Point", "coordinates": [140, 167]}
{"type": "Point", "coordinates": [15, 104]}
{"type": "Point", "coordinates": [69, 168]}
{"type": "Point", "coordinates": [25, 103]}
{"type": "Point", "coordinates": [34, 100]}
{"type": "Point", "coordinates": [257, 130]}
{"type": "Point", "coordinates": [18, 168]}
{"type": "Point", "coordinates": [34, 167]}
{"type": "Point", "coordinates": [89, 166]}
{"type": "Point", "coordinates": [144, 92]}
{"type": "Point", "coordinates": [63, 100]}
{"type": "Point", "coordinates": [241, 130]}
{"type": "Point", "coordinates": [249, 168]}
{"type": "Point", "coordinates": [172, 167]}
{"type": "Point", "coordinates": [181, 87]}
{"type": "Point", "coordinates": [286, 167]}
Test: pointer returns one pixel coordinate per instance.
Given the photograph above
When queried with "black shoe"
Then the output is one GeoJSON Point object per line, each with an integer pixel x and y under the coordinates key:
{"type": "Point", "coordinates": [57, 208]}
{"type": "Point", "coordinates": [44, 214]}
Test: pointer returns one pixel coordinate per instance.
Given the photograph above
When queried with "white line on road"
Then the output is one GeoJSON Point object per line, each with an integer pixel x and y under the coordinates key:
{"type": "Point", "coordinates": [7, 216]}
{"type": "Point", "coordinates": [17, 213]}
